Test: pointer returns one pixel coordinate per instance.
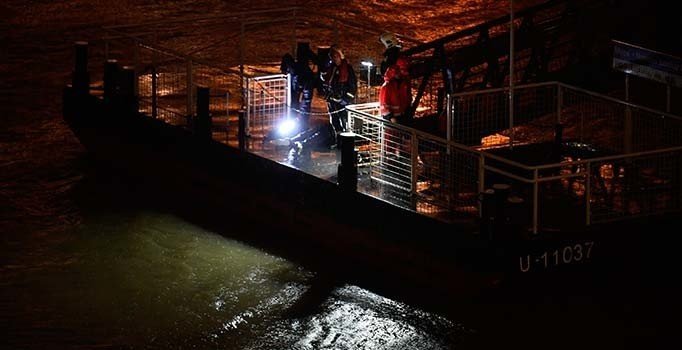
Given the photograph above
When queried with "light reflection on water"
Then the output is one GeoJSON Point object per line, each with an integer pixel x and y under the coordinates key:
{"type": "Point", "coordinates": [152, 280]}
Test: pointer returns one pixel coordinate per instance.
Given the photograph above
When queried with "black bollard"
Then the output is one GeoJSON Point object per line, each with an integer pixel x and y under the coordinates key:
{"type": "Point", "coordinates": [499, 208]}
{"type": "Point", "coordinates": [111, 72]}
{"type": "Point", "coordinates": [487, 199]}
{"type": "Point", "coordinates": [80, 75]}
{"type": "Point", "coordinates": [202, 124]}
{"type": "Point", "coordinates": [241, 135]}
{"type": "Point", "coordinates": [348, 169]}
{"type": "Point", "coordinates": [517, 218]}
{"type": "Point", "coordinates": [127, 101]}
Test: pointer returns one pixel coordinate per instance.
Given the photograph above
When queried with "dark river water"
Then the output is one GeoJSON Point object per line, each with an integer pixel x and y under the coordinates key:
{"type": "Point", "coordinates": [87, 262]}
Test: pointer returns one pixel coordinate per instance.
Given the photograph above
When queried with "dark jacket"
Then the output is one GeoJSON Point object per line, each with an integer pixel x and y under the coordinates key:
{"type": "Point", "coordinates": [340, 83]}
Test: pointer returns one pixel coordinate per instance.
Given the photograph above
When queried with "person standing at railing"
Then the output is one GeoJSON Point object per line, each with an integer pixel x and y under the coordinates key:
{"type": "Point", "coordinates": [394, 101]}
{"type": "Point", "coordinates": [395, 96]}
{"type": "Point", "coordinates": [340, 86]}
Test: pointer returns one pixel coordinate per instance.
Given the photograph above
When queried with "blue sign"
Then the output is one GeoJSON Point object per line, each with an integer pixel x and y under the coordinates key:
{"type": "Point", "coordinates": [648, 64]}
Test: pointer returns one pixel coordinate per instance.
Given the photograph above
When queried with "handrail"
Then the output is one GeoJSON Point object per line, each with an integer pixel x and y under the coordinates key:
{"type": "Point", "coordinates": [477, 29]}
{"type": "Point", "coordinates": [625, 103]}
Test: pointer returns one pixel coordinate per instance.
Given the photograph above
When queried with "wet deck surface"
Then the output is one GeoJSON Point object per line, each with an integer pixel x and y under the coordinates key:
{"type": "Point", "coordinates": [322, 161]}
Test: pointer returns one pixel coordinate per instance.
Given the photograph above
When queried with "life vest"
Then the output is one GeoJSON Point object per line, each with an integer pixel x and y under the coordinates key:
{"type": "Point", "coordinates": [395, 94]}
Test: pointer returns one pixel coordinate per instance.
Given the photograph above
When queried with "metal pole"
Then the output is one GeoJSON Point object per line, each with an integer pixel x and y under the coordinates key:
{"type": "Point", "coordinates": [293, 32]}
{"type": "Point", "coordinates": [627, 134]}
{"type": "Point", "coordinates": [241, 129]}
{"type": "Point", "coordinates": [511, 73]}
{"type": "Point", "coordinates": [481, 180]}
{"type": "Point", "coordinates": [448, 117]}
{"type": "Point", "coordinates": [560, 103]}
{"type": "Point", "coordinates": [155, 86]}
{"type": "Point", "coordinates": [136, 64]}
{"type": "Point", "coordinates": [588, 193]}
{"type": "Point", "coordinates": [535, 201]}
{"type": "Point", "coordinates": [369, 83]}
{"type": "Point", "coordinates": [288, 92]}
{"type": "Point", "coordinates": [414, 150]}
{"type": "Point", "coordinates": [241, 64]}
{"type": "Point", "coordinates": [155, 83]}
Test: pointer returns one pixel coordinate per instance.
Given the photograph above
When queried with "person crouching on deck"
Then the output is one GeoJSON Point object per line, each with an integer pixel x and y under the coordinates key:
{"type": "Point", "coordinates": [340, 85]}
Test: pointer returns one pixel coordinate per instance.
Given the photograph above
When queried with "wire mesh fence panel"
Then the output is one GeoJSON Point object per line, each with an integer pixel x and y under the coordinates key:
{"type": "Point", "coordinates": [592, 120]}
{"type": "Point", "coordinates": [368, 131]}
{"type": "Point", "coordinates": [447, 178]}
{"type": "Point", "coordinates": [475, 116]}
{"type": "Point", "coordinates": [636, 186]}
{"type": "Point", "coordinates": [267, 98]}
{"type": "Point", "coordinates": [163, 80]}
{"type": "Point", "coordinates": [482, 118]}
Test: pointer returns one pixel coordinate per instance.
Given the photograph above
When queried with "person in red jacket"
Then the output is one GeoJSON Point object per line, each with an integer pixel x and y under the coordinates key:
{"type": "Point", "coordinates": [395, 99]}
{"type": "Point", "coordinates": [395, 95]}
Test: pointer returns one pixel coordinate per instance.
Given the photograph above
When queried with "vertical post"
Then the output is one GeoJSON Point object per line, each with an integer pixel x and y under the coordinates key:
{"type": "Point", "coordinates": [348, 169]}
{"type": "Point", "coordinates": [516, 218]}
{"type": "Point", "coordinates": [560, 103]}
{"type": "Point", "coordinates": [241, 133]}
{"type": "Point", "coordinates": [414, 160]}
{"type": "Point", "coordinates": [289, 97]}
{"type": "Point", "coordinates": [155, 82]}
{"type": "Point", "coordinates": [227, 108]}
{"type": "Point", "coordinates": [535, 201]}
{"type": "Point", "coordinates": [189, 85]}
{"type": "Point", "coordinates": [627, 132]}
{"type": "Point", "coordinates": [501, 194]}
{"type": "Point", "coordinates": [588, 193]}
{"type": "Point", "coordinates": [487, 216]}
{"type": "Point", "coordinates": [241, 62]}
{"type": "Point", "coordinates": [511, 73]}
{"type": "Point", "coordinates": [202, 125]}
{"type": "Point", "coordinates": [80, 75]}
{"type": "Point", "coordinates": [667, 99]}
{"type": "Point", "coordinates": [128, 99]}
{"type": "Point", "coordinates": [481, 173]}
{"type": "Point", "coordinates": [136, 64]}
{"type": "Point", "coordinates": [369, 83]}
{"type": "Point", "coordinates": [448, 117]}
{"type": "Point", "coordinates": [262, 109]}
{"type": "Point", "coordinates": [109, 80]}
{"type": "Point", "coordinates": [294, 44]}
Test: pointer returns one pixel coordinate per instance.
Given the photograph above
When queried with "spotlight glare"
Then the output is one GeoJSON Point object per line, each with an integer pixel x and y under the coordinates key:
{"type": "Point", "coordinates": [286, 127]}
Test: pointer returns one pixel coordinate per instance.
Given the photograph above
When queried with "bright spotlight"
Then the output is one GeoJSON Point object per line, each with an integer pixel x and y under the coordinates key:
{"type": "Point", "coordinates": [367, 64]}
{"type": "Point", "coordinates": [286, 127]}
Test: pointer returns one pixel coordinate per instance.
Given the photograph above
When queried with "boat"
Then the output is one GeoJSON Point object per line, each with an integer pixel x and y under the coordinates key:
{"type": "Point", "coordinates": [527, 206]}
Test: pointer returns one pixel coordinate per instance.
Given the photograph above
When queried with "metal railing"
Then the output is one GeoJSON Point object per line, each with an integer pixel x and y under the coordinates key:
{"type": "Point", "coordinates": [267, 102]}
{"type": "Point", "coordinates": [440, 177]}
{"type": "Point", "coordinates": [616, 160]}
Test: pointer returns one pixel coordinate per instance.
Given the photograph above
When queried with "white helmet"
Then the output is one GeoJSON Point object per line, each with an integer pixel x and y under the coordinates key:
{"type": "Point", "coordinates": [389, 40]}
